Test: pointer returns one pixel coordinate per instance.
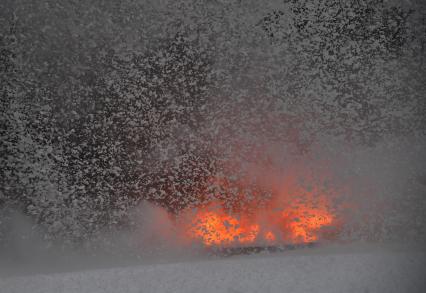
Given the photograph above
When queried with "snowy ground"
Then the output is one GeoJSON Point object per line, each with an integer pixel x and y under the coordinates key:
{"type": "Point", "coordinates": [307, 270]}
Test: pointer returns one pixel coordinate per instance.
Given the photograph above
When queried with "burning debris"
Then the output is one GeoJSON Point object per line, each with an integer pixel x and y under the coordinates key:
{"type": "Point", "coordinates": [260, 207]}
{"type": "Point", "coordinates": [278, 223]}
{"type": "Point", "coordinates": [296, 213]}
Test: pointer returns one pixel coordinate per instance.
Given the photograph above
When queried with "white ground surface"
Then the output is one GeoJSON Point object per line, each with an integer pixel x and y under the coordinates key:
{"type": "Point", "coordinates": [309, 270]}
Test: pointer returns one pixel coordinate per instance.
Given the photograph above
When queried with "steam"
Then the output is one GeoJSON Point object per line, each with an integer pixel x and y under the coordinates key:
{"type": "Point", "coordinates": [378, 195]}
{"type": "Point", "coordinates": [154, 229]}
{"type": "Point", "coordinates": [373, 194]}
{"type": "Point", "coordinates": [384, 187]}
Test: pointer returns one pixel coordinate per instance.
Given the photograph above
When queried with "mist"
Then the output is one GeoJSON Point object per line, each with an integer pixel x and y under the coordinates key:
{"type": "Point", "coordinates": [377, 193]}
{"type": "Point", "coordinates": [124, 124]}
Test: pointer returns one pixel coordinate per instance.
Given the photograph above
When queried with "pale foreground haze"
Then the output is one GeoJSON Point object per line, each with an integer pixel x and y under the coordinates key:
{"type": "Point", "coordinates": [214, 145]}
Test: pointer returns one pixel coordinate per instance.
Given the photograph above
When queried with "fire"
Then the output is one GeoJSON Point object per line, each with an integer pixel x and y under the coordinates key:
{"type": "Point", "coordinates": [294, 214]}
{"type": "Point", "coordinates": [270, 237]}
{"type": "Point", "coordinates": [306, 222]}
{"type": "Point", "coordinates": [275, 223]}
{"type": "Point", "coordinates": [219, 228]}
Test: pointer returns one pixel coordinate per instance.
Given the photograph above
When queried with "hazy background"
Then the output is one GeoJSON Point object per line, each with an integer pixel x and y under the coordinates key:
{"type": "Point", "coordinates": [114, 114]}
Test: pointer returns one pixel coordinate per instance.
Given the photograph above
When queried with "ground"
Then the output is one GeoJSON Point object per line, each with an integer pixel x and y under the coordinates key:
{"type": "Point", "coordinates": [320, 269]}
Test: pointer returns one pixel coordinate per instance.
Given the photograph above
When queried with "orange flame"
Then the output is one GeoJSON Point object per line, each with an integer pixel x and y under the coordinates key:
{"type": "Point", "coordinates": [214, 228]}
{"type": "Point", "coordinates": [294, 225]}
{"type": "Point", "coordinates": [305, 223]}
{"type": "Point", "coordinates": [301, 222]}
{"type": "Point", "coordinates": [219, 228]}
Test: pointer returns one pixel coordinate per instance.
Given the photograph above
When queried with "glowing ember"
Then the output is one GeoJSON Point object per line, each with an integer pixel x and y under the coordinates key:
{"type": "Point", "coordinates": [218, 228]}
{"type": "Point", "coordinates": [293, 215]}
{"type": "Point", "coordinates": [306, 222]}
{"type": "Point", "coordinates": [212, 225]}
{"type": "Point", "coordinates": [269, 236]}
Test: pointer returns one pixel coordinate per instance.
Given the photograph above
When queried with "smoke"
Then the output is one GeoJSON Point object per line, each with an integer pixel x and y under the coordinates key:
{"type": "Point", "coordinates": [23, 243]}
{"type": "Point", "coordinates": [155, 232]}
{"type": "Point", "coordinates": [152, 238]}
{"type": "Point", "coordinates": [261, 128]}
{"type": "Point", "coordinates": [378, 193]}
{"type": "Point", "coordinates": [385, 195]}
